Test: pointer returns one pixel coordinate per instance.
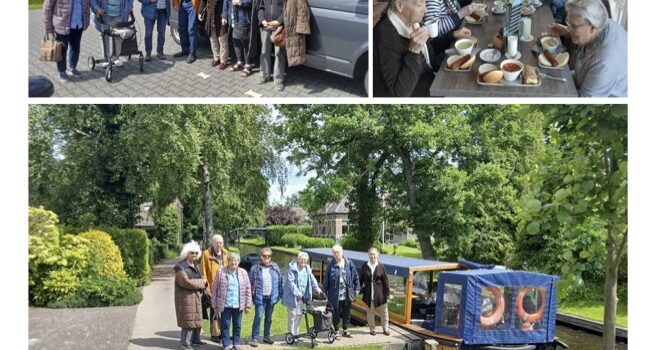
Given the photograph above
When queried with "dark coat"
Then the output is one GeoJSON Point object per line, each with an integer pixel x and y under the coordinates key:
{"type": "Point", "coordinates": [378, 281]}
{"type": "Point", "coordinates": [213, 15]}
{"type": "Point", "coordinates": [188, 285]}
{"type": "Point", "coordinates": [398, 72]}
{"type": "Point", "coordinates": [332, 281]}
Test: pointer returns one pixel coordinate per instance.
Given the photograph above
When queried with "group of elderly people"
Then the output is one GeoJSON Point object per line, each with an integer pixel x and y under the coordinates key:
{"type": "Point", "coordinates": [406, 57]}
{"type": "Point", "coordinates": [234, 291]}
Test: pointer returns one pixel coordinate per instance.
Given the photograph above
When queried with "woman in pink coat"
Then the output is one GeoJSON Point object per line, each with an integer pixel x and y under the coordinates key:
{"type": "Point", "coordinates": [231, 296]}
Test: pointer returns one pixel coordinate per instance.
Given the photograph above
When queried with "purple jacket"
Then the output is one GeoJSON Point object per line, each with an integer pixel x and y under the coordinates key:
{"type": "Point", "coordinates": [220, 285]}
{"type": "Point", "coordinates": [56, 15]}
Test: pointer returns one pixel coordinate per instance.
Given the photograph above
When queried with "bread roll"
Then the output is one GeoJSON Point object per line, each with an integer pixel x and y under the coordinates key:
{"type": "Point", "coordinates": [459, 62]}
{"type": "Point", "coordinates": [562, 59]}
{"type": "Point", "coordinates": [529, 75]}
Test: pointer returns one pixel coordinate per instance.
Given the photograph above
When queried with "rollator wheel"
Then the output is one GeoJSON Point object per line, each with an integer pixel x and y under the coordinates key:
{"type": "Point", "coordinates": [141, 63]}
{"type": "Point", "coordinates": [91, 62]}
{"type": "Point", "coordinates": [109, 73]}
{"type": "Point", "coordinates": [289, 338]}
{"type": "Point", "coordinates": [129, 58]}
{"type": "Point", "coordinates": [313, 332]}
{"type": "Point", "coordinates": [331, 336]}
{"type": "Point", "coordinates": [312, 342]}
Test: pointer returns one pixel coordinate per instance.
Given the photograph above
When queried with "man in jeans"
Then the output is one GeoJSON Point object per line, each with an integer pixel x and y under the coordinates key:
{"type": "Point", "coordinates": [266, 290]}
{"type": "Point", "coordinates": [187, 10]}
{"type": "Point", "coordinates": [270, 15]}
{"type": "Point", "coordinates": [155, 12]}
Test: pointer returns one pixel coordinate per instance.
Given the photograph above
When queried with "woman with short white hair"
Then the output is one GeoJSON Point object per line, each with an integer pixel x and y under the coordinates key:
{"type": "Point", "coordinates": [299, 286]}
{"type": "Point", "coordinates": [188, 286]}
{"type": "Point", "coordinates": [599, 52]}
{"type": "Point", "coordinates": [341, 283]}
{"type": "Point", "coordinates": [213, 260]}
{"type": "Point", "coordinates": [375, 291]}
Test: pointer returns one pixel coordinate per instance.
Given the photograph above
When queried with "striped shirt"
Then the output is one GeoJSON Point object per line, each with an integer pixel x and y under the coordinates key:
{"type": "Point", "coordinates": [161, 4]}
{"type": "Point", "coordinates": [446, 12]}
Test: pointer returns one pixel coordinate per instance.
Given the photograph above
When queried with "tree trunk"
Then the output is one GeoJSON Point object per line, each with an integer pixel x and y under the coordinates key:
{"type": "Point", "coordinates": [610, 295]}
{"type": "Point", "coordinates": [408, 174]}
{"type": "Point", "coordinates": [366, 210]}
{"type": "Point", "coordinates": [207, 203]}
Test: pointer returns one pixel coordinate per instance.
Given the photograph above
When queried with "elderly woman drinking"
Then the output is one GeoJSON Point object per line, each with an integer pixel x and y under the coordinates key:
{"type": "Point", "coordinates": [299, 286]}
{"type": "Point", "coordinates": [599, 55]}
{"type": "Point", "coordinates": [404, 54]}
{"type": "Point", "coordinates": [212, 261]}
{"type": "Point", "coordinates": [231, 296]}
{"type": "Point", "coordinates": [341, 283]}
{"type": "Point", "coordinates": [188, 286]}
{"type": "Point", "coordinates": [375, 291]}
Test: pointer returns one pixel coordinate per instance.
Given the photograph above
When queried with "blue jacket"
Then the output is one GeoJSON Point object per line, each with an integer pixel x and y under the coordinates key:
{"type": "Point", "coordinates": [148, 9]}
{"type": "Point", "coordinates": [291, 289]}
{"type": "Point", "coordinates": [242, 14]}
{"type": "Point", "coordinates": [256, 280]}
{"type": "Point", "coordinates": [332, 281]}
{"type": "Point", "coordinates": [126, 7]}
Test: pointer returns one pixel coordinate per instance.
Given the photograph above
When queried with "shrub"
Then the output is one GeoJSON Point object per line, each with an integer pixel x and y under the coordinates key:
{"type": "Point", "coordinates": [43, 224]}
{"type": "Point", "coordinates": [104, 258]}
{"type": "Point", "coordinates": [410, 243]}
{"type": "Point", "coordinates": [102, 291]}
{"type": "Point", "coordinates": [167, 226]}
{"type": "Point", "coordinates": [135, 250]}
{"type": "Point", "coordinates": [351, 242]}
{"type": "Point", "coordinates": [297, 239]}
{"type": "Point", "coordinates": [159, 251]}
{"type": "Point", "coordinates": [276, 233]}
{"type": "Point", "coordinates": [71, 230]}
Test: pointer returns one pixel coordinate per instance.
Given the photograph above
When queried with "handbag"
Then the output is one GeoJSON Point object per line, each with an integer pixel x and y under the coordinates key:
{"type": "Point", "coordinates": [206, 300]}
{"type": "Point", "coordinates": [278, 37]}
{"type": "Point", "coordinates": [215, 325]}
{"type": "Point", "coordinates": [51, 49]}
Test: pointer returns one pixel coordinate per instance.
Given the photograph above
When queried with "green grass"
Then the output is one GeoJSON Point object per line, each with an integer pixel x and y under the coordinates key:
{"type": "Point", "coordinates": [35, 4]}
{"type": "Point", "coordinates": [406, 252]}
{"type": "Point", "coordinates": [593, 310]}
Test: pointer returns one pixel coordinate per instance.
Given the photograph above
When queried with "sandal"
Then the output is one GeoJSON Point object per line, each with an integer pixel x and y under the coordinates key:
{"type": "Point", "coordinates": [247, 70]}
{"type": "Point", "coordinates": [235, 67]}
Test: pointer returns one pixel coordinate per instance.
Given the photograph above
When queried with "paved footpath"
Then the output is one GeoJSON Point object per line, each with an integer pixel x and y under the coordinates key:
{"type": "Point", "coordinates": [170, 78]}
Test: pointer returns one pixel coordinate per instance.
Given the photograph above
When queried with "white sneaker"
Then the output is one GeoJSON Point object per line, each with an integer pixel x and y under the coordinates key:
{"type": "Point", "coordinates": [104, 64]}
{"type": "Point", "coordinates": [118, 63]}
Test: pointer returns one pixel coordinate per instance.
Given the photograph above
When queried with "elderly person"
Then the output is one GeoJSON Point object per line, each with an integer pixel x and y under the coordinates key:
{"type": "Point", "coordinates": [237, 15]}
{"type": "Point", "coordinates": [212, 261]}
{"type": "Point", "coordinates": [110, 13]}
{"type": "Point", "coordinates": [67, 20]}
{"type": "Point", "coordinates": [270, 16]}
{"type": "Point", "coordinates": [155, 12]}
{"type": "Point", "coordinates": [231, 296]}
{"type": "Point", "coordinates": [299, 286]}
{"type": "Point", "coordinates": [218, 34]}
{"type": "Point", "coordinates": [375, 291]}
{"type": "Point", "coordinates": [188, 286]}
{"type": "Point", "coordinates": [599, 55]}
{"type": "Point", "coordinates": [341, 284]}
{"type": "Point", "coordinates": [187, 10]}
{"type": "Point", "coordinates": [448, 13]}
{"type": "Point", "coordinates": [559, 10]}
{"type": "Point", "coordinates": [266, 290]}
{"type": "Point", "coordinates": [404, 57]}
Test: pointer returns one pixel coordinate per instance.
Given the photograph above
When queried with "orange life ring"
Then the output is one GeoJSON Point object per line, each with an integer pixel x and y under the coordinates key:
{"type": "Point", "coordinates": [497, 315]}
{"type": "Point", "coordinates": [523, 315]}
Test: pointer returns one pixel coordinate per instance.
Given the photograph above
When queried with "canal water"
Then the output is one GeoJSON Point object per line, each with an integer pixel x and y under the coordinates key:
{"type": "Point", "coordinates": [574, 338]}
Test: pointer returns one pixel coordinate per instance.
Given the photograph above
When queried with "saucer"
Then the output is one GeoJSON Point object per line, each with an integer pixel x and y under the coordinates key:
{"type": "Point", "coordinates": [518, 56]}
{"type": "Point", "coordinates": [526, 12]}
{"type": "Point", "coordinates": [537, 5]}
{"type": "Point", "coordinates": [526, 39]}
{"type": "Point", "coordinates": [493, 9]}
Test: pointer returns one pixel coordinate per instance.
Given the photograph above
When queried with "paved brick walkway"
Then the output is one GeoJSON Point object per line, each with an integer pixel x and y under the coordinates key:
{"type": "Point", "coordinates": [176, 79]}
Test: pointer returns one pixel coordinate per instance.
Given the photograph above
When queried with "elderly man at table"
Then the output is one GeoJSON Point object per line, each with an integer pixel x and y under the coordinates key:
{"type": "Point", "coordinates": [404, 57]}
{"type": "Point", "coordinates": [599, 49]}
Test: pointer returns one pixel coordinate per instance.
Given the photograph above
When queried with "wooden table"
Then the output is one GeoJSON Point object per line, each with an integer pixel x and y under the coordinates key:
{"type": "Point", "coordinates": [459, 84]}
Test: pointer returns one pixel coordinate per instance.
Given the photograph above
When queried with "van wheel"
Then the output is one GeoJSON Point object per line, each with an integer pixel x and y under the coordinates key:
{"type": "Point", "coordinates": [174, 33]}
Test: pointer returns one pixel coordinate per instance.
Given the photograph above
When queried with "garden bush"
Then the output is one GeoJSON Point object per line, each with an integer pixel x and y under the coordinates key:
{"type": "Point", "coordinates": [167, 226]}
{"type": "Point", "coordinates": [276, 232]}
{"type": "Point", "coordinates": [104, 256]}
{"type": "Point", "coordinates": [135, 251]}
{"type": "Point", "coordinates": [102, 291]}
{"type": "Point", "coordinates": [410, 243]}
{"type": "Point", "coordinates": [351, 242]}
{"type": "Point", "coordinates": [160, 251]}
{"type": "Point", "coordinates": [297, 239]}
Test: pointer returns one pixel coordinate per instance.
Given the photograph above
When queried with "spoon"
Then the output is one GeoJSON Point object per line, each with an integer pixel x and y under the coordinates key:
{"type": "Point", "coordinates": [542, 75]}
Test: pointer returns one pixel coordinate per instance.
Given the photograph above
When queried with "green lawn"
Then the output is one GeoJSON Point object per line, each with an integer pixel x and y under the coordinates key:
{"type": "Point", "coordinates": [593, 310]}
{"type": "Point", "coordinates": [407, 252]}
{"type": "Point", "coordinates": [35, 4]}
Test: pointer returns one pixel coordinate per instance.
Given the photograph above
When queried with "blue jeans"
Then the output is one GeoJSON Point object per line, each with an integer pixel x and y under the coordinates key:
{"type": "Point", "coordinates": [188, 27]}
{"type": "Point", "coordinates": [161, 21]}
{"type": "Point", "coordinates": [228, 315]}
{"type": "Point", "coordinates": [73, 39]}
{"type": "Point", "coordinates": [266, 308]}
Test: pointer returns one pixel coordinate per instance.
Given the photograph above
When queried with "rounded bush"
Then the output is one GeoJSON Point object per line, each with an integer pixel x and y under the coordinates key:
{"type": "Point", "coordinates": [296, 239]}
{"type": "Point", "coordinates": [104, 256]}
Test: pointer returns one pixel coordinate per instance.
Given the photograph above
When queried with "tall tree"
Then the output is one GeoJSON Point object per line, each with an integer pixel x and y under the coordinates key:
{"type": "Point", "coordinates": [220, 151]}
{"type": "Point", "coordinates": [593, 189]}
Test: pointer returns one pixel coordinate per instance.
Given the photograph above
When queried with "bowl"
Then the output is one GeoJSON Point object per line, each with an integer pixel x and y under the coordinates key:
{"type": "Point", "coordinates": [550, 43]}
{"type": "Point", "coordinates": [490, 55]}
{"type": "Point", "coordinates": [511, 69]}
{"type": "Point", "coordinates": [464, 46]}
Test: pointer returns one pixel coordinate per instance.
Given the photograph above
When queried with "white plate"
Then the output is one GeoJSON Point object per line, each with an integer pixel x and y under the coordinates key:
{"type": "Point", "coordinates": [490, 55]}
{"type": "Point", "coordinates": [518, 56]}
{"type": "Point", "coordinates": [486, 67]}
{"type": "Point", "coordinates": [493, 9]}
{"type": "Point", "coordinates": [527, 39]}
{"type": "Point", "coordinates": [537, 5]}
{"type": "Point", "coordinates": [526, 12]}
{"type": "Point", "coordinates": [543, 62]}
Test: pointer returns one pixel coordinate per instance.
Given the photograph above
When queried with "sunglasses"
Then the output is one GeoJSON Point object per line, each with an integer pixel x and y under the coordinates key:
{"type": "Point", "coordinates": [195, 253]}
{"type": "Point", "coordinates": [266, 255]}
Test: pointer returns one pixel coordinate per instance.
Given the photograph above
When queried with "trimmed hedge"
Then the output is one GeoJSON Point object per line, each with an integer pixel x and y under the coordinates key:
{"type": "Point", "coordinates": [104, 258]}
{"type": "Point", "coordinates": [351, 242]}
{"type": "Point", "coordinates": [303, 241]}
{"type": "Point", "coordinates": [276, 232]}
{"type": "Point", "coordinates": [135, 249]}
{"type": "Point", "coordinates": [101, 291]}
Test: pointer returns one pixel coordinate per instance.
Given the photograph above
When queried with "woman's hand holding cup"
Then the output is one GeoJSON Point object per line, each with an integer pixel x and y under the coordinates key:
{"type": "Point", "coordinates": [418, 39]}
{"type": "Point", "coordinates": [467, 10]}
{"type": "Point", "coordinates": [462, 33]}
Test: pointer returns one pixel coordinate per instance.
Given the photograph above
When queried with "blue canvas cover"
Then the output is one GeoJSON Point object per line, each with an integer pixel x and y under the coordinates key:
{"type": "Point", "coordinates": [460, 303]}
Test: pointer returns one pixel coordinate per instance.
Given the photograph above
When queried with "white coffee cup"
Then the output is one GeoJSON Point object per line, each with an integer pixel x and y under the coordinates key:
{"type": "Point", "coordinates": [550, 43]}
{"type": "Point", "coordinates": [464, 46]}
{"type": "Point", "coordinates": [433, 27]}
{"type": "Point", "coordinates": [499, 5]}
